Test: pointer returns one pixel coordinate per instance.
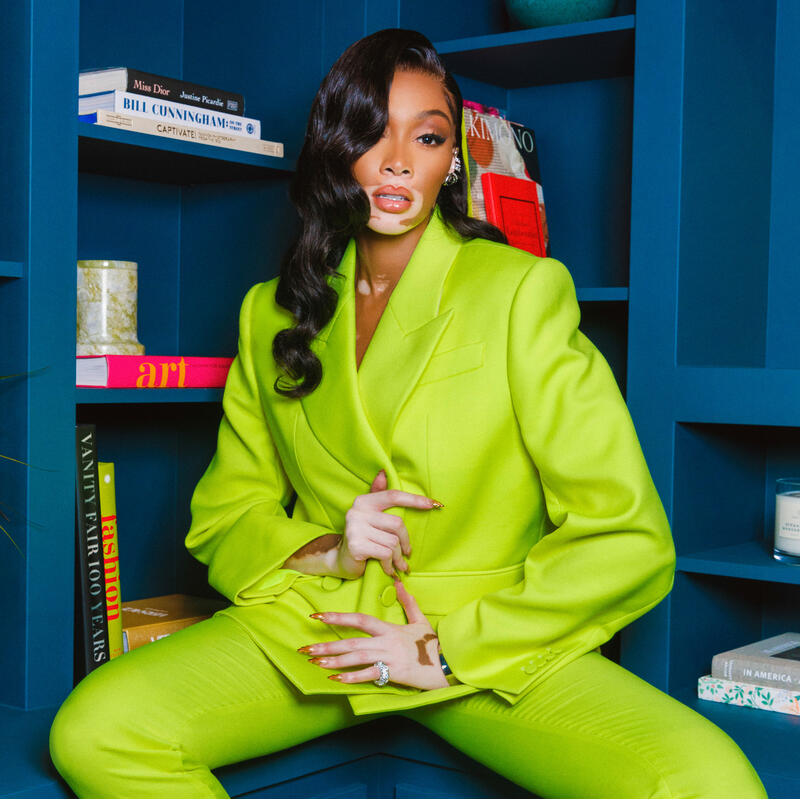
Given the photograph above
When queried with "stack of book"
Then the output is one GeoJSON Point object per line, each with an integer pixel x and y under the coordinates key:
{"type": "Point", "coordinates": [764, 674]}
{"type": "Point", "coordinates": [105, 626]}
{"type": "Point", "coordinates": [505, 178]}
{"type": "Point", "coordinates": [122, 97]}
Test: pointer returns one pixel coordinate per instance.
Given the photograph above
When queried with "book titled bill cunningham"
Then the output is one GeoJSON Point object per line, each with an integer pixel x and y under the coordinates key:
{"type": "Point", "coordinates": [91, 619]}
{"type": "Point", "coordinates": [768, 662]}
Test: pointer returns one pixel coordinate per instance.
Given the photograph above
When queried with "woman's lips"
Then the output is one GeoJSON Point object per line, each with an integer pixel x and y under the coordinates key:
{"type": "Point", "coordinates": [393, 199]}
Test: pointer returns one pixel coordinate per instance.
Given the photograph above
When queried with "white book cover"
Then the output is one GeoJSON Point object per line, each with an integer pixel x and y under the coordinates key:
{"type": "Point", "coordinates": [166, 111]}
{"type": "Point", "coordinates": [112, 119]}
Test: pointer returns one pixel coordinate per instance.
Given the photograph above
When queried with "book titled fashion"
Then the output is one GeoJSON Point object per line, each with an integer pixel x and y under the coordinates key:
{"type": "Point", "coordinates": [171, 130]}
{"type": "Point", "coordinates": [166, 111]}
{"type": "Point", "coordinates": [108, 518]}
{"type": "Point", "coordinates": [738, 693]}
{"type": "Point", "coordinates": [95, 81]}
{"type": "Point", "coordinates": [91, 624]}
{"type": "Point", "coordinates": [769, 662]}
{"type": "Point", "coordinates": [500, 146]}
{"type": "Point", "coordinates": [152, 618]}
{"type": "Point", "coordinates": [151, 372]}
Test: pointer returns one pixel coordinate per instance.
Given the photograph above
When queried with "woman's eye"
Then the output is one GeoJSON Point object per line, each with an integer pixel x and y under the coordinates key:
{"type": "Point", "coordinates": [436, 139]}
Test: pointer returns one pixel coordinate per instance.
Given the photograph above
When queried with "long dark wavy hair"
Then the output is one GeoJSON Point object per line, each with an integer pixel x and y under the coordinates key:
{"type": "Point", "coordinates": [348, 116]}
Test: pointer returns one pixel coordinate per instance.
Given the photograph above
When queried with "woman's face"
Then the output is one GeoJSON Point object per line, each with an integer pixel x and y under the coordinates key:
{"type": "Point", "coordinates": [412, 158]}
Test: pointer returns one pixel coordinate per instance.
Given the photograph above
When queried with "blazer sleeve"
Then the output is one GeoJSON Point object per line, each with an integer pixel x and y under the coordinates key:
{"type": "Point", "coordinates": [239, 525]}
{"type": "Point", "coordinates": [610, 557]}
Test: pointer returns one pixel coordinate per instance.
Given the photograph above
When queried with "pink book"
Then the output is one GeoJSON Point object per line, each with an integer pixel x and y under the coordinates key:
{"type": "Point", "coordinates": [151, 372]}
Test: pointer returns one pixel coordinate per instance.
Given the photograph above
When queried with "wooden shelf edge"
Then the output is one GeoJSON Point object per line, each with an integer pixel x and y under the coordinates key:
{"type": "Point", "coordinates": [747, 560]}
{"type": "Point", "coordinates": [12, 269]}
{"type": "Point", "coordinates": [532, 36]}
{"type": "Point", "coordinates": [90, 395]}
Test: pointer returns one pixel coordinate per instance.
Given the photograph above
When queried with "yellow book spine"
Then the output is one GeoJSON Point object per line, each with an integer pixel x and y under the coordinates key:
{"type": "Point", "coordinates": [108, 514]}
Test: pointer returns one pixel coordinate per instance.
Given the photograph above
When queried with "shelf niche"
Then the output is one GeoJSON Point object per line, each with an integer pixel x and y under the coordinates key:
{"type": "Point", "coordinates": [740, 167]}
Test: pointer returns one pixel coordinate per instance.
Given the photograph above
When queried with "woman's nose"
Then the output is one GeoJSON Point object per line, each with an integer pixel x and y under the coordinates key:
{"type": "Point", "coordinates": [396, 161]}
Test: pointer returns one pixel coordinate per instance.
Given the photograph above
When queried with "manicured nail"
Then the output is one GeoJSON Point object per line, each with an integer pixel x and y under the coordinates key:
{"type": "Point", "coordinates": [309, 648]}
{"type": "Point", "coordinates": [335, 677]}
{"type": "Point", "coordinates": [318, 615]}
{"type": "Point", "coordinates": [318, 661]}
{"type": "Point", "coordinates": [436, 503]}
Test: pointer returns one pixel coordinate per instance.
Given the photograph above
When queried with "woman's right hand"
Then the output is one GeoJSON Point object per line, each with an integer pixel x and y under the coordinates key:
{"type": "Point", "coordinates": [372, 533]}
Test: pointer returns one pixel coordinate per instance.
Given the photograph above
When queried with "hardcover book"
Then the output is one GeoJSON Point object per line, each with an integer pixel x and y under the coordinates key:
{"type": "Point", "coordinates": [737, 693]}
{"type": "Point", "coordinates": [769, 662]}
{"type": "Point", "coordinates": [144, 621]}
{"type": "Point", "coordinates": [108, 517]}
{"type": "Point", "coordinates": [513, 205]}
{"type": "Point", "coordinates": [91, 623]}
{"type": "Point", "coordinates": [151, 372]}
{"type": "Point", "coordinates": [94, 81]}
{"type": "Point", "coordinates": [168, 112]}
{"type": "Point", "coordinates": [170, 130]}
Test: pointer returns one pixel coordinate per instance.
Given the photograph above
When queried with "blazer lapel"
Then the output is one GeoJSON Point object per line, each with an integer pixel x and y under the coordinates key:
{"type": "Point", "coordinates": [409, 329]}
{"type": "Point", "coordinates": [353, 412]}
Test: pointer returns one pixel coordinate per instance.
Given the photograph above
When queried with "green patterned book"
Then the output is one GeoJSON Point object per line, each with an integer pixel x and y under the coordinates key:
{"type": "Point", "coordinates": [767, 698]}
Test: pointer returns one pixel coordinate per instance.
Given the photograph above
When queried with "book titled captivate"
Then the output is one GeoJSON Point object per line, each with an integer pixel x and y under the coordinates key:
{"type": "Point", "coordinates": [151, 372]}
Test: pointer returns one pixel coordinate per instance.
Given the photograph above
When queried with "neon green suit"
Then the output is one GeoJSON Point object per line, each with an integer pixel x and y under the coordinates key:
{"type": "Point", "coordinates": [479, 390]}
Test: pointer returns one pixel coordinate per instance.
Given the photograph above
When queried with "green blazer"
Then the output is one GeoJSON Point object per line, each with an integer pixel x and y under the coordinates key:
{"type": "Point", "coordinates": [479, 390]}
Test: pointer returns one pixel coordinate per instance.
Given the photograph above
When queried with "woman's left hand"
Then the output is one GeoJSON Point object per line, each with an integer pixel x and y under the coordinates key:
{"type": "Point", "coordinates": [410, 651]}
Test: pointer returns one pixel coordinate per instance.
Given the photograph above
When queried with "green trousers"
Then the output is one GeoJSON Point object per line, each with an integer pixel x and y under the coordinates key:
{"type": "Point", "coordinates": [156, 721]}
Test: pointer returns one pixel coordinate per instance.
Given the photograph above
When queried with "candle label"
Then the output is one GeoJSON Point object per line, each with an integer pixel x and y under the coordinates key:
{"type": "Point", "coordinates": [787, 518]}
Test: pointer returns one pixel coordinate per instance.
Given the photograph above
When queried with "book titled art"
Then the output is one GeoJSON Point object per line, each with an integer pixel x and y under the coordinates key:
{"type": "Point", "coordinates": [151, 372]}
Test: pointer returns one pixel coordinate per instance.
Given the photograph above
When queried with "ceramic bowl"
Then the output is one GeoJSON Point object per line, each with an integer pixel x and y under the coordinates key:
{"type": "Point", "coordinates": [537, 13]}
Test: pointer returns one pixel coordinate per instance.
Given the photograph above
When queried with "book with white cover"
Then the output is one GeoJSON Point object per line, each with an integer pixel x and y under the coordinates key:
{"type": "Point", "coordinates": [170, 130]}
{"type": "Point", "coordinates": [166, 111]}
{"type": "Point", "coordinates": [769, 662]}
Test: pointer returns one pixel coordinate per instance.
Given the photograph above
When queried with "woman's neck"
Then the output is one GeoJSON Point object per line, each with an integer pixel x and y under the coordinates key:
{"type": "Point", "coordinates": [381, 259]}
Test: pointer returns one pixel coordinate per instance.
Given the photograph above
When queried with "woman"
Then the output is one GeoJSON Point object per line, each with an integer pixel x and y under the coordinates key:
{"type": "Point", "coordinates": [408, 359]}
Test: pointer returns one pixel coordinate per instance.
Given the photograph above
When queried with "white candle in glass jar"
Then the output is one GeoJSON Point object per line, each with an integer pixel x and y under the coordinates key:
{"type": "Point", "coordinates": [787, 522]}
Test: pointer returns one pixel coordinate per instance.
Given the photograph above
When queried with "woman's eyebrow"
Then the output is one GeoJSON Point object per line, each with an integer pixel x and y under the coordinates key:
{"type": "Point", "coordinates": [431, 112]}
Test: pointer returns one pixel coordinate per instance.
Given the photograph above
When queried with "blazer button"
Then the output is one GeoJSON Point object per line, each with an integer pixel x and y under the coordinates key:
{"type": "Point", "coordinates": [529, 668]}
{"type": "Point", "coordinates": [330, 582]}
{"type": "Point", "coordinates": [388, 596]}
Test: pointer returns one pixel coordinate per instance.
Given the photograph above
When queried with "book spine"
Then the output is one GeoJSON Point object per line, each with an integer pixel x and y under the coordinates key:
{"type": "Point", "coordinates": [108, 516]}
{"type": "Point", "coordinates": [91, 586]}
{"type": "Point", "coordinates": [181, 91]}
{"type": "Point", "coordinates": [740, 693]}
{"type": "Point", "coordinates": [168, 112]}
{"type": "Point", "coordinates": [166, 372]}
{"type": "Point", "coordinates": [763, 670]}
{"type": "Point", "coordinates": [113, 119]}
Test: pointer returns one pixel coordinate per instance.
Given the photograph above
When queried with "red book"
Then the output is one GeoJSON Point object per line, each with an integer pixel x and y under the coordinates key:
{"type": "Point", "coordinates": [514, 206]}
{"type": "Point", "coordinates": [151, 372]}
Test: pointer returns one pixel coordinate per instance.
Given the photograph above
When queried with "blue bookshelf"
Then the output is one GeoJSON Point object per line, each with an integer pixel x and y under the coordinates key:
{"type": "Point", "coordinates": [671, 206]}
